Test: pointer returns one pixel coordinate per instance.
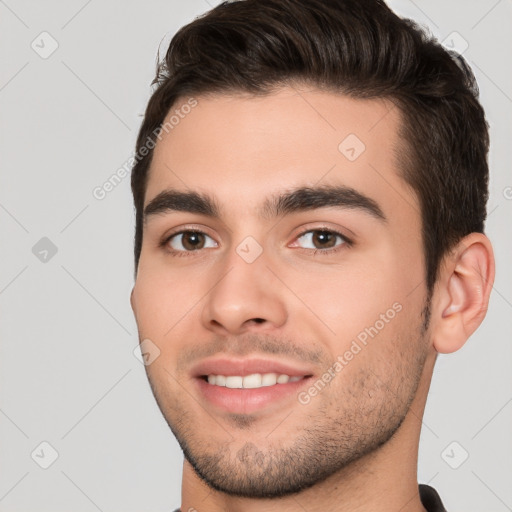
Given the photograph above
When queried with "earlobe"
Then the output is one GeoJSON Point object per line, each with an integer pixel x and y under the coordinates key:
{"type": "Point", "coordinates": [465, 286]}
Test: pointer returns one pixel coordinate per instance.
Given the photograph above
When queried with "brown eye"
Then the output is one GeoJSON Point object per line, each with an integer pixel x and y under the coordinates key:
{"type": "Point", "coordinates": [321, 239]}
{"type": "Point", "coordinates": [190, 241]}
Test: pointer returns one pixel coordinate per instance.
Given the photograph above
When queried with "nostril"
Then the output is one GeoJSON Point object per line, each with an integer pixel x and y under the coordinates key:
{"type": "Point", "coordinates": [258, 320]}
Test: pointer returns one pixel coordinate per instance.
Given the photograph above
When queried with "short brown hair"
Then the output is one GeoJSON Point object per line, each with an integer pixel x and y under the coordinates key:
{"type": "Point", "coordinates": [359, 48]}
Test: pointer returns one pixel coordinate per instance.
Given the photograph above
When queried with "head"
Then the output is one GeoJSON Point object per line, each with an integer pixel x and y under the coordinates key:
{"type": "Point", "coordinates": [256, 132]}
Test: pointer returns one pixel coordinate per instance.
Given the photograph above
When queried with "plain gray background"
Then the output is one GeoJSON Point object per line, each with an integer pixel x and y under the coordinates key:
{"type": "Point", "coordinates": [68, 375]}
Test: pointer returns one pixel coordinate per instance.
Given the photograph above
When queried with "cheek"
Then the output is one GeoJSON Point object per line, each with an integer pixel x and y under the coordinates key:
{"type": "Point", "coordinates": [369, 292]}
{"type": "Point", "coordinates": [162, 298]}
{"type": "Point", "coordinates": [347, 298]}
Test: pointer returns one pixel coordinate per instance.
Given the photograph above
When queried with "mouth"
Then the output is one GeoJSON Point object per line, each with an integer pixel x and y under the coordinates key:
{"type": "Point", "coordinates": [252, 381]}
{"type": "Point", "coordinates": [250, 385]}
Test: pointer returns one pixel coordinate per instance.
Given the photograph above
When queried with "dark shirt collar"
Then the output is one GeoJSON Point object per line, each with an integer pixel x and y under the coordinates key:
{"type": "Point", "coordinates": [429, 499]}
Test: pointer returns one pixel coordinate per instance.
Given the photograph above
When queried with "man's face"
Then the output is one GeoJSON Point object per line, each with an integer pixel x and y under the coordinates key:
{"type": "Point", "coordinates": [253, 286]}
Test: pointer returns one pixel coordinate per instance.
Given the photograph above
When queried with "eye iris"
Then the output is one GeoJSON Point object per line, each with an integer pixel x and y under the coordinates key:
{"type": "Point", "coordinates": [193, 241]}
{"type": "Point", "coordinates": [324, 239]}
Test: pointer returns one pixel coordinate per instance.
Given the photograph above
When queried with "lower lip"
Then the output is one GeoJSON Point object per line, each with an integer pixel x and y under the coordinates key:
{"type": "Point", "coordinates": [246, 401]}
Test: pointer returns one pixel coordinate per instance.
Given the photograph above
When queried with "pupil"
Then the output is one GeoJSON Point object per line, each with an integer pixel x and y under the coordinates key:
{"type": "Point", "coordinates": [193, 241]}
{"type": "Point", "coordinates": [324, 238]}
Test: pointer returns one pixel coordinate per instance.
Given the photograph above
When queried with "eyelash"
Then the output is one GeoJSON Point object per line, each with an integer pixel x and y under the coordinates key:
{"type": "Point", "coordinates": [326, 252]}
{"type": "Point", "coordinates": [346, 242]}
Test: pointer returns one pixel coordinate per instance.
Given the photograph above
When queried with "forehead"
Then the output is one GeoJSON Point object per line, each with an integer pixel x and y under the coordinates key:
{"type": "Point", "coordinates": [241, 148]}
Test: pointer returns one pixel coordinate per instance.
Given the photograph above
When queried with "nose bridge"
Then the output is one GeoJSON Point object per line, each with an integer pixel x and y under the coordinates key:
{"type": "Point", "coordinates": [244, 291]}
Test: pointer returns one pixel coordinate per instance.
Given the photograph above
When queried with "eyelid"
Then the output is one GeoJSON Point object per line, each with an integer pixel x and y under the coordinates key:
{"type": "Point", "coordinates": [188, 227]}
{"type": "Point", "coordinates": [330, 251]}
{"type": "Point", "coordinates": [184, 229]}
{"type": "Point", "coordinates": [336, 231]}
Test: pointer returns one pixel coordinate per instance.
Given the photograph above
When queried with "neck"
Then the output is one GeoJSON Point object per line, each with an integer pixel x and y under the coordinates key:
{"type": "Point", "coordinates": [382, 481]}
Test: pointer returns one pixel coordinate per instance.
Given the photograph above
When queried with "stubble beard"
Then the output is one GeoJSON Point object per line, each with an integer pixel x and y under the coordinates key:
{"type": "Point", "coordinates": [356, 420]}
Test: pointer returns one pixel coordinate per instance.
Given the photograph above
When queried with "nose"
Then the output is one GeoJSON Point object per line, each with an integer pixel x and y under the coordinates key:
{"type": "Point", "coordinates": [244, 297]}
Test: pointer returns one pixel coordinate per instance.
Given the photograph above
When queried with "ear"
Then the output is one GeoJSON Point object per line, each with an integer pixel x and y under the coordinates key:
{"type": "Point", "coordinates": [462, 292]}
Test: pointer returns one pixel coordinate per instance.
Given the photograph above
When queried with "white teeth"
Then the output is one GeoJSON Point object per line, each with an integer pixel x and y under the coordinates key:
{"type": "Point", "coordinates": [253, 381]}
{"type": "Point", "coordinates": [269, 379]}
{"type": "Point", "coordinates": [234, 382]}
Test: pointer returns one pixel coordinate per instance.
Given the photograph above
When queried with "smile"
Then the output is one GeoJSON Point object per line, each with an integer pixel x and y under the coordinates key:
{"type": "Point", "coordinates": [248, 385]}
{"type": "Point", "coordinates": [253, 381]}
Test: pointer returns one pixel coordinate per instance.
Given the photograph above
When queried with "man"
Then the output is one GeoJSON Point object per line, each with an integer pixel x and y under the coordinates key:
{"type": "Point", "coordinates": [310, 193]}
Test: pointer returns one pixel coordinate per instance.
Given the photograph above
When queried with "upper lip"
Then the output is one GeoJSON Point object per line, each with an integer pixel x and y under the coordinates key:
{"type": "Point", "coordinates": [246, 366]}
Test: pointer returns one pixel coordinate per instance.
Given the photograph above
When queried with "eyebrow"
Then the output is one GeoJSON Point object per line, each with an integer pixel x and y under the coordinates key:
{"type": "Point", "coordinates": [296, 200]}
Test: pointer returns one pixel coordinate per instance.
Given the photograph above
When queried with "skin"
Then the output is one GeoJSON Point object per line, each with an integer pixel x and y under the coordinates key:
{"type": "Point", "coordinates": [354, 445]}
